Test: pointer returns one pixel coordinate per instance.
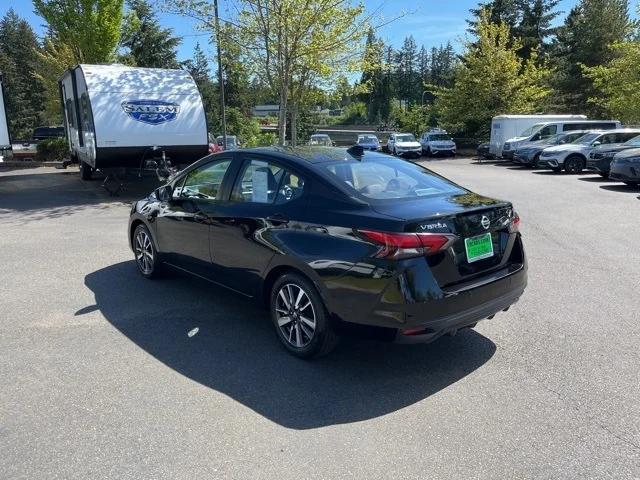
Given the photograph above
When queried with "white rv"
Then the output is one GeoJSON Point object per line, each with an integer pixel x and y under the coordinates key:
{"type": "Point", "coordinates": [114, 115]}
{"type": "Point", "coordinates": [5, 140]}
{"type": "Point", "coordinates": [505, 127]}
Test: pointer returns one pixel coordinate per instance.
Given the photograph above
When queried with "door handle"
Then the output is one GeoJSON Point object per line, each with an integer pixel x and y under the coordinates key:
{"type": "Point", "coordinates": [277, 219]}
{"type": "Point", "coordinates": [201, 218]}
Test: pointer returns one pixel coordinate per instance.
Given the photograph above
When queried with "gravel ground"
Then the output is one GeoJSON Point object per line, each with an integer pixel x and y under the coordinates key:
{"type": "Point", "coordinates": [101, 379]}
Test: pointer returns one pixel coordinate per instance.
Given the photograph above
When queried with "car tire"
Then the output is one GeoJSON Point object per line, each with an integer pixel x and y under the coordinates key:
{"type": "Point", "coordinates": [86, 171]}
{"type": "Point", "coordinates": [632, 184]}
{"type": "Point", "coordinates": [146, 253]}
{"type": "Point", "coordinates": [428, 152]}
{"type": "Point", "coordinates": [603, 174]}
{"type": "Point", "coordinates": [557, 169]}
{"type": "Point", "coordinates": [300, 318]}
{"type": "Point", "coordinates": [573, 164]}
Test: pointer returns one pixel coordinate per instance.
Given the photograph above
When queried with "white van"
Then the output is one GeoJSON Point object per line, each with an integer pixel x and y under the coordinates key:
{"type": "Point", "coordinates": [504, 127]}
{"type": "Point", "coordinates": [542, 131]}
{"type": "Point", "coordinates": [5, 140]}
{"type": "Point", "coordinates": [114, 115]}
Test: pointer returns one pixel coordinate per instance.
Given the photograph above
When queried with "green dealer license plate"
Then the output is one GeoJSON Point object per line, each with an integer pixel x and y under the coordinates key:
{"type": "Point", "coordinates": [478, 247]}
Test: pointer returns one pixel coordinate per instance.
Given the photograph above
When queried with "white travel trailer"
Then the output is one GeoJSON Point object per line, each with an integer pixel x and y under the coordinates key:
{"type": "Point", "coordinates": [5, 140]}
{"type": "Point", "coordinates": [504, 127]}
{"type": "Point", "coordinates": [114, 115]}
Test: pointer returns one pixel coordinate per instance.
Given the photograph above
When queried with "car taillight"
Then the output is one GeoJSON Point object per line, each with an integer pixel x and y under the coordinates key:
{"type": "Point", "coordinates": [404, 245]}
{"type": "Point", "coordinates": [514, 225]}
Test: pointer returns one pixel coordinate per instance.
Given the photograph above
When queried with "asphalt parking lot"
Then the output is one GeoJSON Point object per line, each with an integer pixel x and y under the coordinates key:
{"type": "Point", "coordinates": [104, 374]}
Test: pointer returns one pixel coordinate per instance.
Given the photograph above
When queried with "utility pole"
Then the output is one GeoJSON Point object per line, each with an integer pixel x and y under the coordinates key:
{"type": "Point", "coordinates": [220, 78]}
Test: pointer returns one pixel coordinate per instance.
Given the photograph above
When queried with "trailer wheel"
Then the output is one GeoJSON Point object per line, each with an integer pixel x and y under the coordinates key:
{"type": "Point", "coordinates": [86, 172]}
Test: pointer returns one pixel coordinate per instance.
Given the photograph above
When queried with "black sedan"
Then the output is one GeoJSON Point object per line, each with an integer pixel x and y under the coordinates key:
{"type": "Point", "coordinates": [336, 240]}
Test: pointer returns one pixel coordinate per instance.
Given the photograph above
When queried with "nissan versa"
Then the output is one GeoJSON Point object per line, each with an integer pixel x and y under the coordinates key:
{"type": "Point", "coordinates": [336, 240]}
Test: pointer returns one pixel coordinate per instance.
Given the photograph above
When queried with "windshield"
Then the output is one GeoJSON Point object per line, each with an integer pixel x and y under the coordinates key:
{"type": "Point", "coordinates": [368, 139]}
{"type": "Point", "coordinates": [531, 130]}
{"type": "Point", "coordinates": [230, 140]}
{"type": "Point", "coordinates": [570, 137]}
{"type": "Point", "coordinates": [407, 137]}
{"type": "Point", "coordinates": [439, 137]}
{"type": "Point", "coordinates": [588, 138]}
{"type": "Point", "coordinates": [634, 142]}
{"type": "Point", "coordinates": [390, 178]}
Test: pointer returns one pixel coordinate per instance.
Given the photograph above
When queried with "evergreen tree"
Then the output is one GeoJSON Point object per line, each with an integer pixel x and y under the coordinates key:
{"type": "Point", "coordinates": [372, 80]}
{"type": "Point", "coordinates": [536, 25]}
{"type": "Point", "coordinates": [23, 92]}
{"type": "Point", "coordinates": [497, 11]}
{"type": "Point", "coordinates": [491, 80]}
{"type": "Point", "coordinates": [150, 45]}
{"type": "Point", "coordinates": [198, 67]}
{"type": "Point", "coordinates": [585, 40]}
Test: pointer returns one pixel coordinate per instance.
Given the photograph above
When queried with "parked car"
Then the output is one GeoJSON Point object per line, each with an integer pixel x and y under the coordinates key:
{"type": "Point", "coordinates": [232, 142]}
{"type": "Point", "coordinates": [529, 155]}
{"type": "Point", "coordinates": [548, 128]}
{"type": "Point", "coordinates": [369, 142]}
{"type": "Point", "coordinates": [329, 238]}
{"type": "Point", "coordinates": [573, 156]}
{"type": "Point", "coordinates": [437, 141]}
{"type": "Point", "coordinates": [404, 144]}
{"type": "Point", "coordinates": [321, 140]}
{"type": "Point", "coordinates": [601, 157]}
{"type": "Point", "coordinates": [625, 167]}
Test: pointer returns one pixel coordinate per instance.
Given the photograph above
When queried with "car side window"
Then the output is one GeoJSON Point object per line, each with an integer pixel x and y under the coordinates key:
{"type": "Point", "coordinates": [549, 130]}
{"type": "Point", "coordinates": [204, 182]}
{"type": "Point", "coordinates": [261, 181]}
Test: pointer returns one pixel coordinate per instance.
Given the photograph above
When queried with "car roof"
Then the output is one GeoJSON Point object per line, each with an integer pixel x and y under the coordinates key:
{"type": "Point", "coordinates": [310, 154]}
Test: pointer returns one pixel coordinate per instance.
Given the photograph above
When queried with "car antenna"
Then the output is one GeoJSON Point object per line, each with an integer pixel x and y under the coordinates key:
{"type": "Point", "coordinates": [356, 150]}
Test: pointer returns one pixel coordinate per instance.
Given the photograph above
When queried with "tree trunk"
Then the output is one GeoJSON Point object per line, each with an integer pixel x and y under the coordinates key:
{"type": "Point", "coordinates": [282, 116]}
{"type": "Point", "coordinates": [294, 125]}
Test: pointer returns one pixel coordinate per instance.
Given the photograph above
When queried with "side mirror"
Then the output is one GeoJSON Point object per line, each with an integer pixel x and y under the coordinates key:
{"type": "Point", "coordinates": [164, 193]}
{"type": "Point", "coordinates": [596, 143]}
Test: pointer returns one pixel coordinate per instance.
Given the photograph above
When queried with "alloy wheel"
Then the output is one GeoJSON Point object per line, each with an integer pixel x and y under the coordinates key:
{"type": "Point", "coordinates": [295, 315]}
{"type": "Point", "coordinates": [144, 252]}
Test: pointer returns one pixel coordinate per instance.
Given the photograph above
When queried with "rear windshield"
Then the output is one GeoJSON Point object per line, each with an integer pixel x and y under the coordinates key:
{"type": "Point", "coordinates": [368, 139]}
{"type": "Point", "coordinates": [389, 178]}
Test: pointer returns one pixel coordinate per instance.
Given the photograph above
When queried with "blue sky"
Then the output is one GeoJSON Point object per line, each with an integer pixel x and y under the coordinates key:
{"type": "Point", "coordinates": [431, 22]}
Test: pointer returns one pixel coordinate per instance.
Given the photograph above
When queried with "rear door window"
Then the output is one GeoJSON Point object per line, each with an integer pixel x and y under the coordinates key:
{"type": "Point", "coordinates": [262, 181]}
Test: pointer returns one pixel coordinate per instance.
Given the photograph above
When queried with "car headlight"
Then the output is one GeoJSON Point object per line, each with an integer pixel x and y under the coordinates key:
{"type": "Point", "coordinates": [608, 154]}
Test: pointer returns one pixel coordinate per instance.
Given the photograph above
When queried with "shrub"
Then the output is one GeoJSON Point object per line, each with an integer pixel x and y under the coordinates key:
{"type": "Point", "coordinates": [52, 149]}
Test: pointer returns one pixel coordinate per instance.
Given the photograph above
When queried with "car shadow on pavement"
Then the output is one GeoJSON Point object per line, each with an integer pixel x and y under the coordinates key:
{"type": "Point", "coordinates": [620, 188]}
{"type": "Point", "coordinates": [596, 179]}
{"type": "Point", "coordinates": [227, 343]}
{"type": "Point", "coordinates": [39, 194]}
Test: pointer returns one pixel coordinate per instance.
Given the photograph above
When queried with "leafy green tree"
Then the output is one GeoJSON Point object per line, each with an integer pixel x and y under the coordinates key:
{"type": "Point", "coordinates": [90, 28]}
{"type": "Point", "coordinates": [491, 80]}
{"type": "Point", "coordinates": [198, 67]}
{"type": "Point", "coordinates": [585, 40]}
{"type": "Point", "coordinates": [617, 84]}
{"type": "Point", "coordinates": [23, 92]}
{"type": "Point", "coordinates": [149, 45]}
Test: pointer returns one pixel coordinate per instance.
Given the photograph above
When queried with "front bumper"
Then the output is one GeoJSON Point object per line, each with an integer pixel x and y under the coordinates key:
{"type": "Point", "coordinates": [548, 162]}
{"type": "Point", "coordinates": [409, 153]}
{"type": "Point", "coordinates": [508, 154]}
{"type": "Point", "coordinates": [602, 165]}
{"type": "Point", "coordinates": [626, 172]}
{"type": "Point", "coordinates": [522, 159]}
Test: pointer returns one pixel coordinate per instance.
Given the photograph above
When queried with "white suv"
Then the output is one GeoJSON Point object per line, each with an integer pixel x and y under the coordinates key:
{"type": "Point", "coordinates": [404, 144]}
{"type": "Point", "coordinates": [437, 141]}
{"type": "Point", "coordinates": [572, 157]}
